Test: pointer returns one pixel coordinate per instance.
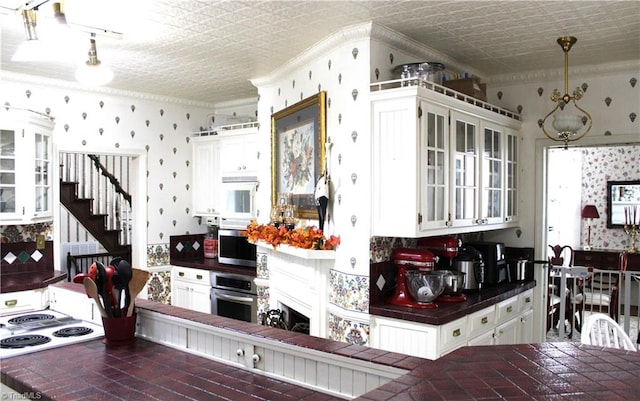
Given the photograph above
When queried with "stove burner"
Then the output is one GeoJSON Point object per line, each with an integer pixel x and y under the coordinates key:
{"type": "Point", "coordinates": [34, 317]}
{"type": "Point", "coordinates": [75, 331]}
{"type": "Point", "coordinates": [27, 340]}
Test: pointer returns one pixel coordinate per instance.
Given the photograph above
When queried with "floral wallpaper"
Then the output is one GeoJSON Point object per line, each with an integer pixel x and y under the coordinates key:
{"type": "Point", "coordinates": [25, 233]}
{"type": "Point", "coordinates": [602, 164]}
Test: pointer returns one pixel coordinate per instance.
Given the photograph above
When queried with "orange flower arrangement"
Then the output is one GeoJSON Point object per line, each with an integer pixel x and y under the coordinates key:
{"type": "Point", "coordinates": [306, 238]}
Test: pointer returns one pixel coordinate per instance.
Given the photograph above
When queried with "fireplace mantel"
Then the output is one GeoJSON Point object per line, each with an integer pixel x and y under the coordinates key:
{"type": "Point", "coordinates": [299, 279]}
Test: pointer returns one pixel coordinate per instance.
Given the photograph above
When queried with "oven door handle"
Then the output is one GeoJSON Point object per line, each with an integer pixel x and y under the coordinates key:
{"type": "Point", "coordinates": [234, 298]}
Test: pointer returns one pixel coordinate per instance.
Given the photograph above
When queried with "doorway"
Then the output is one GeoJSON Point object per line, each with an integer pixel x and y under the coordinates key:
{"type": "Point", "coordinates": [138, 191]}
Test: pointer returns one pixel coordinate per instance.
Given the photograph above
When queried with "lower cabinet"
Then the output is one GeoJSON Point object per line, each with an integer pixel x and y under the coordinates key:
{"type": "Point", "coordinates": [23, 301]}
{"type": "Point", "coordinates": [191, 289]}
{"type": "Point", "coordinates": [74, 303]}
{"type": "Point", "coordinates": [507, 322]}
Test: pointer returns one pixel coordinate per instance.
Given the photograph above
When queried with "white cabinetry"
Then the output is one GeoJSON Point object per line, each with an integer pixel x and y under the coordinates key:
{"type": "Point", "coordinates": [441, 164]}
{"type": "Point", "coordinates": [507, 322]}
{"type": "Point", "coordinates": [25, 168]}
{"type": "Point", "coordinates": [206, 178]}
{"type": "Point", "coordinates": [23, 301]}
{"type": "Point", "coordinates": [240, 152]}
{"type": "Point", "coordinates": [191, 289]}
{"type": "Point", "coordinates": [74, 303]}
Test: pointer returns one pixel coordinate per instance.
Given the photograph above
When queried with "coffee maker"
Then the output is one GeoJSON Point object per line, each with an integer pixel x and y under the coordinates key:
{"type": "Point", "coordinates": [469, 261]}
{"type": "Point", "coordinates": [495, 261]}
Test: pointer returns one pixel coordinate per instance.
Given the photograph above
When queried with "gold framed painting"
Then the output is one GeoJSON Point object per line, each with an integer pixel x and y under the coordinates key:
{"type": "Point", "coordinates": [298, 135]}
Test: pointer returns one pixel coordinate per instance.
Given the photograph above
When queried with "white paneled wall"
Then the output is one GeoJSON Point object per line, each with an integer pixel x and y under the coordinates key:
{"type": "Point", "coordinates": [329, 373]}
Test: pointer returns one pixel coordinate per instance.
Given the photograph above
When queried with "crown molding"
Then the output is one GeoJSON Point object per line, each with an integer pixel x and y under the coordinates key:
{"type": "Point", "coordinates": [368, 31]}
{"type": "Point", "coordinates": [102, 90]}
{"type": "Point", "coordinates": [632, 66]}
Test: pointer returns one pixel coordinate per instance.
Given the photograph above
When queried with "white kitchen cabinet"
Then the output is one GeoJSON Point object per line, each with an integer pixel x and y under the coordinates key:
{"type": "Point", "coordinates": [23, 301]}
{"type": "Point", "coordinates": [440, 164]}
{"type": "Point", "coordinates": [239, 149]}
{"type": "Point", "coordinates": [507, 322]}
{"type": "Point", "coordinates": [405, 337]}
{"type": "Point", "coordinates": [191, 289]}
{"type": "Point", "coordinates": [74, 303]}
{"type": "Point", "coordinates": [25, 168]}
{"type": "Point", "coordinates": [206, 176]}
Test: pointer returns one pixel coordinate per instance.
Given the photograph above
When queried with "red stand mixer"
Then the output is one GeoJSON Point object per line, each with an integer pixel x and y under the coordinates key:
{"type": "Point", "coordinates": [405, 259]}
{"type": "Point", "coordinates": [446, 249]}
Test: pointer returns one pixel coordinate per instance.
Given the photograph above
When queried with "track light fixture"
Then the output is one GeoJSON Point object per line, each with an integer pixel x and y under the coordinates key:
{"type": "Point", "coordinates": [93, 72]}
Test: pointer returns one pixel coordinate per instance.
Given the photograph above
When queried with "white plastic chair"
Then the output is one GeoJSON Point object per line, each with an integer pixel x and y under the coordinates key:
{"type": "Point", "coordinates": [600, 329]}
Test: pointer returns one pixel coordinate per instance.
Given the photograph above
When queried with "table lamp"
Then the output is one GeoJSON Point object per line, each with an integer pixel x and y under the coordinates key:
{"type": "Point", "coordinates": [589, 212]}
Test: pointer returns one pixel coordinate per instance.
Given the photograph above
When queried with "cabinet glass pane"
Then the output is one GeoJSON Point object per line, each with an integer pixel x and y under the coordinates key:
{"type": "Point", "coordinates": [7, 200]}
{"type": "Point", "coordinates": [434, 169]}
{"type": "Point", "coordinates": [7, 143]}
{"type": "Point", "coordinates": [41, 178]}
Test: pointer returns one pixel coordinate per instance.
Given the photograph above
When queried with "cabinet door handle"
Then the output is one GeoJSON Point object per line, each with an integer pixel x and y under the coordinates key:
{"type": "Point", "coordinates": [527, 300]}
{"type": "Point", "coordinates": [199, 276]}
{"type": "Point", "coordinates": [181, 274]}
{"type": "Point", "coordinates": [509, 309]}
{"type": "Point", "coordinates": [484, 320]}
{"type": "Point", "coordinates": [456, 333]}
{"type": "Point", "coordinates": [11, 302]}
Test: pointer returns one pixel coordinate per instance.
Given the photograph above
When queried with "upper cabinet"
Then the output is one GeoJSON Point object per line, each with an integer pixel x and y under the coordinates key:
{"type": "Point", "coordinates": [230, 151]}
{"type": "Point", "coordinates": [444, 162]}
{"type": "Point", "coordinates": [239, 152]}
{"type": "Point", "coordinates": [25, 167]}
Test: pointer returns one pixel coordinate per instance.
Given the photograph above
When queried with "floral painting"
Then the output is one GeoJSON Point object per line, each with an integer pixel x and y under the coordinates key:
{"type": "Point", "coordinates": [298, 152]}
{"type": "Point", "coordinates": [298, 159]}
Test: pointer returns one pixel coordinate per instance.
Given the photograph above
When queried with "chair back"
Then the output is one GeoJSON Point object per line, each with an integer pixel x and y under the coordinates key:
{"type": "Point", "coordinates": [561, 255]}
{"type": "Point", "coordinates": [601, 330]}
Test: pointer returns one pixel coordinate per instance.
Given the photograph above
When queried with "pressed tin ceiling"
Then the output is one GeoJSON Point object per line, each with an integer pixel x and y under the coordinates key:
{"type": "Point", "coordinates": [207, 51]}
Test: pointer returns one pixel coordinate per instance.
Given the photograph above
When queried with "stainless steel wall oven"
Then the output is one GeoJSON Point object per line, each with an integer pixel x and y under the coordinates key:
{"type": "Point", "coordinates": [234, 296]}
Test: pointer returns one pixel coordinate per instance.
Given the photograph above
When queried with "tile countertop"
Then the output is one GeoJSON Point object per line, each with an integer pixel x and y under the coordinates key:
{"type": "Point", "coordinates": [14, 282]}
{"type": "Point", "coordinates": [149, 371]}
{"type": "Point", "coordinates": [213, 265]}
{"type": "Point", "coordinates": [449, 311]}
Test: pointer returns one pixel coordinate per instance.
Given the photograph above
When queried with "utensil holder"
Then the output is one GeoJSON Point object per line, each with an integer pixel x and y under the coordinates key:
{"type": "Point", "coordinates": [119, 330]}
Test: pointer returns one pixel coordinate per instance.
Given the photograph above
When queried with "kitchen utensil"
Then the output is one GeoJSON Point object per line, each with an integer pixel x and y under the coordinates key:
{"type": "Point", "coordinates": [108, 291]}
{"type": "Point", "coordinates": [424, 286]}
{"type": "Point", "coordinates": [136, 284]}
{"type": "Point", "coordinates": [97, 270]}
{"type": "Point", "coordinates": [470, 262]}
{"type": "Point", "coordinates": [92, 290]}
{"type": "Point", "coordinates": [79, 278]}
{"type": "Point", "coordinates": [121, 277]}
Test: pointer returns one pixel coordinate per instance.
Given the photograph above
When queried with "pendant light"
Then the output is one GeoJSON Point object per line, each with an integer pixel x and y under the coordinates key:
{"type": "Point", "coordinates": [93, 72]}
{"type": "Point", "coordinates": [32, 49]}
{"type": "Point", "coordinates": [568, 122]}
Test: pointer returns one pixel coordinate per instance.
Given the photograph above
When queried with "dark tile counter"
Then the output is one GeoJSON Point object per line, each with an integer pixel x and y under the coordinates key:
{"type": "Point", "coordinates": [214, 265]}
{"type": "Point", "coordinates": [447, 312]}
{"type": "Point", "coordinates": [29, 281]}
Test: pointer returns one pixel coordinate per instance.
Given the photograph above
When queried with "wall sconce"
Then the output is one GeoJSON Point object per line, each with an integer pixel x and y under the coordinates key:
{"type": "Point", "coordinates": [589, 212]}
{"type": "Point", "coordinates": [567, 123]}
{"type": "Point", "coordinates": [93, 72]}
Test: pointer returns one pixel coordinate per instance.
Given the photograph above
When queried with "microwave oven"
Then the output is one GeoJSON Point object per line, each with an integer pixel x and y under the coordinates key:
{"type": "Point", "coordinates": [238, 201]}
{"type": "Point", "coordinates": [235, 249]}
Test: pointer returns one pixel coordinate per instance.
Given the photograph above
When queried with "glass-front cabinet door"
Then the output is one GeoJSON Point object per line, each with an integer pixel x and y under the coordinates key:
{"type": "Point", "coordinates": [8, 172]}
{"type": "Point", "coordinates": [465, 150]}
{"type": "Point", "coordinates": [491, 203]}
{"type": "Point", "coordinates": [434, 139]}
{"type": "Point", "coordinates": [25, 168]}
{"type": "Point", "coordinates": [511, 185]}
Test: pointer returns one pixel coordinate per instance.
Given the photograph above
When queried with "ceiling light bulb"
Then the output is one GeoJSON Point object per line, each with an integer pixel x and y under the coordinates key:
{"type": "Point", "coordinates": [93, 72]}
